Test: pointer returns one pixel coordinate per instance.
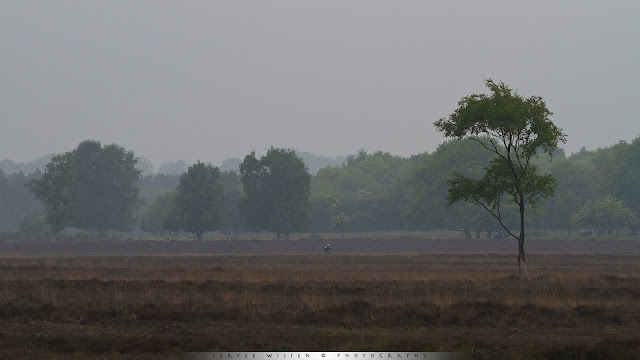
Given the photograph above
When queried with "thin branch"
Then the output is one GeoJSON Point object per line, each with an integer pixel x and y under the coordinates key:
{"type": "Point", "coordinates": [494, 150]}
{"type": "Point", "coordinates": [498, 217]}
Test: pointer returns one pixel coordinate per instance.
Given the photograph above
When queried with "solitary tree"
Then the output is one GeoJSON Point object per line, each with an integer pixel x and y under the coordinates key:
{"type": "Point", "coordinates": [516, 130]}
{"type": "Point", "coordinates": [55, 190]}
{"type": "Point", "coordinates": [276, 189]}
{"type": "Point", "coordinates": [199, 202]}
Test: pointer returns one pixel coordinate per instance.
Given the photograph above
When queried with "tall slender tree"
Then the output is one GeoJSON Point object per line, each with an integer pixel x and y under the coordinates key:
{"type": "Point", "coordinates": [516, 129]}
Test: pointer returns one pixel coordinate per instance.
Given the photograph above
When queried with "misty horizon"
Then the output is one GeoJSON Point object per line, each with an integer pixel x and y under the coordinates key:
{"type": "Point", "coordinates": [337, 158]}
{"type": "Point", "coordinates": [174, 81]}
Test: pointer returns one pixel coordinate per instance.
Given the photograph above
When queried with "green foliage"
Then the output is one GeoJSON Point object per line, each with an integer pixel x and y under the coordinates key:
{"type": "Point", "coordinates": [521, 126]}
{"type": "Point", "coordinates": [362, 172]}
{"type": "Point", "coordinates": [232, 195]}
{"type": "Point", "coordinates": [625, 176]}
{"type": "Point", "coordinates": [500, 180]}
{"type": "Point", "coordinates": [377, 190]}
{"type": "Point", "coordinates": [372, 189]}
{"type": "Point", "coordinates": [576, 183]}
{"type": "Point", "coordinates": [153, 219]}
{"type": "Point", "coordinates": [55, 189]}
{"type": "Point", "coordinates": [427, 207]}
{"type": "Point", "coordinates": [199, 202]}
{"type": "Point", "coordinates": [105, 186]}
{"type": "Point", "coordinates": [230, 180]}
{"type": "Point", "coordinates": [35, 224]}
{"type": "Point", "coordinates": [92, 187]}
{"type": "Point", "coordinates": [606, 215]}
{"type": "Point", "coordinates": [516, 130]}
{"type": "Point", "coordinates": [152, 186]}
{"type": "Point", "coordinates": [276, 192]}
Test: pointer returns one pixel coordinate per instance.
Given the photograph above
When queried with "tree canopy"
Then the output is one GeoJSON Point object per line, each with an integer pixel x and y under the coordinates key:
{"type": "Point", "coordinates": [154, 217]}
{"type": "Point", "coordinates": [105, 185]}
{"type": "Point", "coordinates": [516, 130]}
{"type": "Point", "coordinates": [199, 204]}
{"type": "Point", "coordinates": [606, 216]}
{"type": "Point", "coordinates": [276, 192]}
{"type": "Point", "coordinates": [378, 191]}
{"type": "Point", "coordinates": [371, 188]}
{"type": "Point", "coordinates": [427, 207]}
{"type": "Point", "coordinates": [91, 187]}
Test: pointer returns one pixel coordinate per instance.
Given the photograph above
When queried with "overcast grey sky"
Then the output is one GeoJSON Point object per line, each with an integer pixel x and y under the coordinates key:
{"type": "Point", "coordinates": [215, 79]}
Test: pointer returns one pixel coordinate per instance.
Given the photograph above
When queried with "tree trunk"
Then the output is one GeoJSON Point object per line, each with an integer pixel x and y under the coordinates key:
{"type": "Point", "coordinates": [199, 235]}
{"type": "Point", "coordinates": [467, 232]}
{"type": "Point", "coordinates": [522, 268]}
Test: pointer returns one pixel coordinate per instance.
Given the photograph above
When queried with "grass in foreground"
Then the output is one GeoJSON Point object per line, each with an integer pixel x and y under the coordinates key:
{"type": "Point", "coordinates": [571, 307]}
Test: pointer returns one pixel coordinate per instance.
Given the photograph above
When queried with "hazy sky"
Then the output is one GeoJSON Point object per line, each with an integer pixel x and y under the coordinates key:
{"type": "Point", "coordinates": [215, 79]}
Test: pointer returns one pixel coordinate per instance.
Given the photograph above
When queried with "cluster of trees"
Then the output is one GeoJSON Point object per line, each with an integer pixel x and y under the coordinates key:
{"type": "Point", "coordinates": [365, 193]}
{"type": "Point", "coordinates": [379, 191]}
{"type": "Point", "coordinates": [96, 187]}
{"type": "Point", "coordinates": [496, 168]}
{"type": "Point", "coordinates": [276, 192]}
{"type": "Point", "coordinates": [271, 194]}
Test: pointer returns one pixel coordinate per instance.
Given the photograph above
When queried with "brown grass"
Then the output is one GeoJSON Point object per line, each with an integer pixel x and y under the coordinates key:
{"type": "Point", "coordinates": [570, 307]}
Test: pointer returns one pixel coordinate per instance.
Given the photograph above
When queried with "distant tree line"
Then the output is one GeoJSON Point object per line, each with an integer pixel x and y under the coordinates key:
{"type": "Point", "coordinates": [375, 191]}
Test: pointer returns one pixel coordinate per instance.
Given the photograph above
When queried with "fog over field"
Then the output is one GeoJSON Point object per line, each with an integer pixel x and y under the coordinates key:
{"type": "Point", "coordinates": [214, 80]}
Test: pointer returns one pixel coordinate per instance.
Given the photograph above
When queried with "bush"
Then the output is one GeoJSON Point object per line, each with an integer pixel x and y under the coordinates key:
{"type": "Point", "coordinates": [35, 224]}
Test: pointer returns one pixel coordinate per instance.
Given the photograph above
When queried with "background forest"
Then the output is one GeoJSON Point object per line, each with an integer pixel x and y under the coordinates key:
{"type": "Point", "coordinates": [382, 192]}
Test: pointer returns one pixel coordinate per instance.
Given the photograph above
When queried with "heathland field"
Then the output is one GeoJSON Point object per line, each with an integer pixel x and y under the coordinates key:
{"type": "Point", "coordinates": [571, 306]}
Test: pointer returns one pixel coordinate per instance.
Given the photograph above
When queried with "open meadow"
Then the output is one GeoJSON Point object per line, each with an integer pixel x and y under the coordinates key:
{"type": "Point", "coordinates": [571, 306]}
